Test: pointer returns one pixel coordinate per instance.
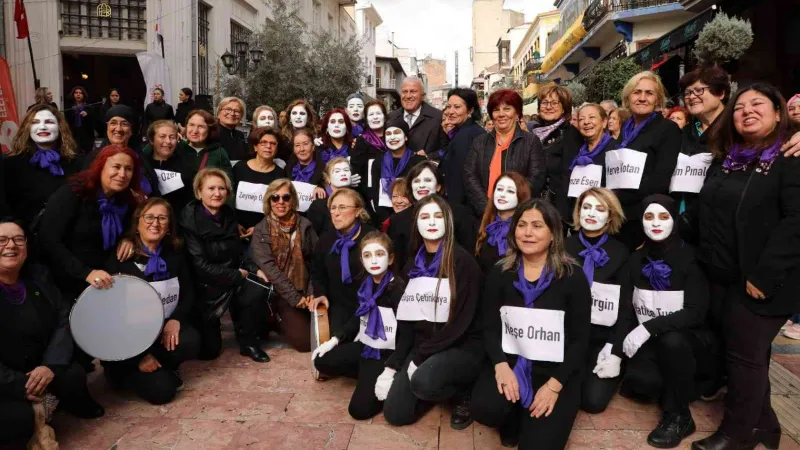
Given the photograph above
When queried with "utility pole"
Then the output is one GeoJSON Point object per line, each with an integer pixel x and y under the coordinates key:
{"type": "Point", "coordinates": [456, 69]}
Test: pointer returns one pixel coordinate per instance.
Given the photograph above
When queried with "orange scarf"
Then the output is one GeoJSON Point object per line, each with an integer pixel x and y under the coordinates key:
{"type": "Point", "coordinates": [496, 166]}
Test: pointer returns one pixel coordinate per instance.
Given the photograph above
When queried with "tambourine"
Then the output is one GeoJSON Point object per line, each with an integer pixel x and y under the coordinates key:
{"type": "Point", "coordinates": [320, 331]}
{"type": "Point", "coordinates": [117, 323]}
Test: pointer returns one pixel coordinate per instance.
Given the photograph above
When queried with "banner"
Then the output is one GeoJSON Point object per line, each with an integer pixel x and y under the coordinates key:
{"type": "Point", "coordinates": [9, 122]}
{"type": "Point", "coordinates": [156, 75]}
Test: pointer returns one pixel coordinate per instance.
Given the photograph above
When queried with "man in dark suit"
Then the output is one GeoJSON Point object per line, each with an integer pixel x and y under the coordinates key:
{"type": "Point", "coordinates": [424, 120]}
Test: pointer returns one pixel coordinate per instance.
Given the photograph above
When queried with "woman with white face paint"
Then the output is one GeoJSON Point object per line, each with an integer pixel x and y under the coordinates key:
{"type": "Point", "coordinates": [598, 216]}
{"type": "Point", "coordinates": [368, 338]}
{"type": "Point", "coordinates": [510, 190]}
{"type": "Point", "coordinates": [535, 313]}
{"type": "Point", "coordinates": [336, 142]}
{"type": "Point", "coordinates": [356, 113]}
{"type": "Point", "coordinates": [371, 145]}
{"type": "Point", "coordinates": [43, 155]}
{"type": "Point", "coordinates": [252, 177]}
{"type": "Point", "coordinates": [338, 175]}
{"type": "Point", "coordinates": [434, 319]}
{"type": "Point", "coordinates": [299, 116]}
{"type": "Point", "coordinates": [265, 117]}
{"type": "Point", "coordinates": [671, 349]}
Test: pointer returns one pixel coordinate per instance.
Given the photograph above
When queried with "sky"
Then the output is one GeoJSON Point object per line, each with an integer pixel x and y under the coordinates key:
{"type": "Point", "coordinates": [442, 27]}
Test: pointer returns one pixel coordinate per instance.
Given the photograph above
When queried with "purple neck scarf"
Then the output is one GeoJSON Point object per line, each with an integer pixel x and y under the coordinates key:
{"type": "Point", "coordinates": [216, 218]}
{"type": "Point", "coordinates": [586, 157]}
{"type": "Point", "coordinates": [156, 266]}
{"type": "Point", "coordinates": [367, 304]}
{"type": "Point", "coordinates": [389, 172]}
{"type": "Point", "coordinates": [358, 130]}
{"type": "Point", "coordinates": [78, 118]}
{"type": "Point", "coordinates": [543, 132]}
{"type": "Point", "coordinates": [374, 139]}
{"type": "Point", "coordinates": [530, 292]}
{"type": "Point", "coordinates": [452, 133]}
{"type": "Point", "coordinates": [111, 223]}
{"type": "Point", "coordinates": [593, 255]}
{"type": "Point", "coordinates": [630, 131]}
{"type": "Point", "coordinates": [498, 234]}
{"type": "Point", "coordinates": [304, 174]}
{"type": "Point", "coordinates": [331, 152]}
{"type": "Point", "coordinates": [658, 273]}
{"type": "Point", "coordinates": [342, 246]}
{"type": "Point", "coordinates": [48, 159]}
{"type": "Point", "coordinates": [14, 293]}
{"type": "Point", "coordinates": [740, 158]}
{"type": "Point", "coordinates": [422, 270]}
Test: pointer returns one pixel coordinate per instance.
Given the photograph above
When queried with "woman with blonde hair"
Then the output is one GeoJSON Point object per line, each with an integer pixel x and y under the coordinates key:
{"type": "Point", "coordinates": [510, 191]}
{"type": "Point", "coordinates": [230, 114]}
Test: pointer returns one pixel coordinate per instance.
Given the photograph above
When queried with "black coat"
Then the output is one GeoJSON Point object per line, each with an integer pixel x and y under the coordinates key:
{"type": "Point", "coordinates": [424, 135]}
{"type": "Point", "coordinates": [691, 144]}
{"type": "Point", "coordinates": [525, 156]}
{"type": "Point", "coordinates": [371, 184]}
{"type": "Point", "coordinates": [234, 143]}
{"type": "Point", "coordinates": [560, 147]}
{"type": "Point", "coordinates": [83, 135]}
{"type": "Point", "coordinates": [320, 216]}
{"type": "Point", "coordinates": [454, 158]}
{"type": "Point", "coordinates": [157, 111]}
{"type": "Point", "coordinates": [4, 209]}
{"type": "Point", "coordinates": [183, 110]}
{"type": "Point", "coordinates": [317, 178]}
{"type": "Point", "coordinates": [177, 163]}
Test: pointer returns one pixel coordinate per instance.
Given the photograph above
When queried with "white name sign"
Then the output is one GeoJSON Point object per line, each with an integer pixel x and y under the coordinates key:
{"type": "Point", "coordinates": [583, 178]}
{"type": "Point", "coordinates": [305, 194]}
{"type": "Point", "coordinates": [421, 301]}
{"type": "Point", "coordinates": [690, 172]}
{"type": "Point", "coordinates": [250, 197]}
{"type": "Point", "coordinates": [624, 168]}
{"type": "Point", "coordinates": [169, 291]}
{"type": "Point", "coordinates": [536, 334]}
{"type": "Point", "coordinates": [389, 328]}
{"type": "Point", "coordinates": [168, 181]}
{"type": "Point", "coordinates": [605, 304]}
{"type": "Point", "coordinates": [651, 304]}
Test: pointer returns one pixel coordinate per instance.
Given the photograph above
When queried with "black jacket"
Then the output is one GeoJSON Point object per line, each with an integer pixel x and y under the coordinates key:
{"type": "Point", "coordinates": [317, 178]}
{"type": "Point", "coordinates": [525, 156]}
{"type": "Point", "coordinates": [83, 135]}
{"type": "Point", "coordinates": [157, 111]}
{"type": "Point", "coordinates": [234, 142]}
{"type": "Point", "coordinates": [320, 216]}
{"type": "Point", "coordinates": [371, 184]}
{"type": "Point", "coordinates": [4, 209]}
{"type": "Point", "coordinates": [424, 135]}
{"type": "Point", "coordinates": [454, 158]}
{"type": "Point", "coordinates": [183, 110]}
{"type": "Point", "coordinates": [564, 202]}
{"type": "Point", "coordinates": [177, 164]}
{"type": "Point", "coordinates": [43, 341]}
{"type": "Point", "coordinates": [691, 144]}
{"type": "Point", "coordinates": [560, 147]}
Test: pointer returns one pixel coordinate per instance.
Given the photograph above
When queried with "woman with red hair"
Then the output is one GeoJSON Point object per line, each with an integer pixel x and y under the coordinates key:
{"type": "Point", "coordinates": [507, 148]}
{"type": "Point", "coordinates": [679, 115]}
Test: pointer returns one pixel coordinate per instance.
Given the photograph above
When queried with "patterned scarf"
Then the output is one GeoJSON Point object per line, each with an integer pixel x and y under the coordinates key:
{"type": "Point", "coordinates": [740, 158]}
{"type": "Point", "coordinates": [288, 250]}
{"type": "Point", "coordinates": [543, 132]}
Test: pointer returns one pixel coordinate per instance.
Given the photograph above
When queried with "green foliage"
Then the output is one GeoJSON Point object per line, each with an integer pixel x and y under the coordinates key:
{"type": "Point", "coordinates": [723, 39]}
{"type": "Point", "coordinates": [578, 90]}
{"type": "Point", "coordinates": [606, 80]}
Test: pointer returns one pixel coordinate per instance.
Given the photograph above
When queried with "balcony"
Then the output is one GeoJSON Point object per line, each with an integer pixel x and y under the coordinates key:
{"type": "Point", "coordinates": [389, 84]}
{"type": "Point", "coordinates": [598, 9]}
{"type": "Point", "coordinates": [87, 19]}
{"type": "Point", "coordinates": [534, 65]}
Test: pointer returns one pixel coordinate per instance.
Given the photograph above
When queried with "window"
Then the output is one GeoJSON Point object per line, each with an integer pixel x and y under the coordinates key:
{"type": "Point", "coordinates": [202, 41]}
{"type": "Point", "coordinates": [128, 20]}
{"type": "Point", "coordinates": [238, 34]}
{"type": "Point", "coordinates": [317, 14]}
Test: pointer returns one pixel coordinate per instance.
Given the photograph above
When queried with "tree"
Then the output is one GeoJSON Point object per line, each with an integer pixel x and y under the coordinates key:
{"type": "Point", "coordinates": [606, 80]}
{"type": "Point", "coordinates": [578, 92]}
{"type": "Point", "coordinates": [723, 39]}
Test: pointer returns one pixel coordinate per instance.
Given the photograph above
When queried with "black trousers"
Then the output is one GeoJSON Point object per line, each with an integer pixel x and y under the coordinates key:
{"type": "Point", "coordinates": [748, 341]}
{"type": "Point", "coordinates": [248, 312]}
{"type": "Point", "coordinates": [16, 416]}
{"type": "Point", "coordinates": [439, 378]}
{"type": "Point", "coordinates": [491, 408]}
{"type": "Point", "coordinates": [158, 387]}
{"type": "Point", "coordinates": [596, 392]}
{"type": "Point", "coordinates": [345, 360]}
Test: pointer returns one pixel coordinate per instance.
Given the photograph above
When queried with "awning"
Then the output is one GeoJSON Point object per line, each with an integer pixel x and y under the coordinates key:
{"type": "Point", "coordinates": [567, 42]}
{"type": "Point", "coordinates": [677, 38]}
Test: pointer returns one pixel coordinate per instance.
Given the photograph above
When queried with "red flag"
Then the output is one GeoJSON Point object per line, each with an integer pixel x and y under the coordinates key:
{"type": "Point", "coordinates": [21, 18]}
{"type": "Point", "coordinates": [8, 109]}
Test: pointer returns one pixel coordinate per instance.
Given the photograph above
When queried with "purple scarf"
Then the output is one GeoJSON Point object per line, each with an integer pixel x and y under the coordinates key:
{"type": "Point", "coordinates": [530, 292]}
{"type": "Point", "coordinates": [740, 158]}
{"type": "Point", "coordinates": [216, 218]}
{"type": "Point", "coordinates": [593, 255]}
{"type": "Point", "coordinates": [389, 173]}
{"type": "Point", "coordinates": [367, 304]}
{"type": "Point", "coordinates": [657, 272]}
{"type": "Point", "coordinates": [111, 223]}
{"type": "Point", "coordinates": [48, 159]}
{"type": "Point", "coordinates": [14, 293]}
{"type": "Point", "coordinates": [304, 174]}
{"type": "Point", "coordinates": [78, 119]}
{"type": "Point", "coordinates": [543, 132]}
{"type": "Point", "coordinates": [630, 131]}
{"type": "Point", "coordinates": [331, 152]}
{"type": "Point", "coordinates": [342, 246]}
{"type": "Point", "coordinates": [498, 234]}
{"type": "Point", "coordinates": [358, 130]}
{"type": "Point", "coordinates": [586, 157]}
{"type": "Point", "coordinates": [156, 266]}
{"type": "Point", "coordinates": [374, 140]}
{"type": "Point", "coordinates": [422, 270]}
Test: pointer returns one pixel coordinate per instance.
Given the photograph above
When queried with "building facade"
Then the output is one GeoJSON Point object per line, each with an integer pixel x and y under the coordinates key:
{"type": "Point", "coordinates": [490, 21]}
{"type": "Point", "coordinates": [389, 75]}
{"type": "Point", "coordinates": [367, 21]}
{"type": "Point", "coordinates": [435, 71]}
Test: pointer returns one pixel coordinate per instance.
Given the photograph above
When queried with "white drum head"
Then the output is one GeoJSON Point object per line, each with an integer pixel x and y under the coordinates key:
{"type": "Point", "coordinates": [117, 323]}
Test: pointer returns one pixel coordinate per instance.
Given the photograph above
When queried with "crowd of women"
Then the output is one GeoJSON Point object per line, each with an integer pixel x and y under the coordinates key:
{"type": "Point", "coordinates": [519, 275]}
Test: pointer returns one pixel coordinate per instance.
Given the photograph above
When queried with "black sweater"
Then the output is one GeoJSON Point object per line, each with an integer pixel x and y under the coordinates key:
{"type": "Point", "coordinates": [455, 156]}
{"type": "Point", "coordinates": [560, 146]}
{"type": "Point", "coordinates": [183, 110]}
{"type": "Point", "coordinates": [371, 184]}
{"type": "Point", "coordinates": [174, 166]}
{"type": "Point", "coordinates": [234, 143]}
{"type": "Point", "coordinates": [320, 216]}
{"type": "Point", "coordinates": [317, 178]}
{"type": "Point", "coordinates": [243, 172]}
{"type": "Point", "coordinates": [155, 112]}
{"type": "Point", "coordinates": [420, 340]}
{"type": "Point", "coordinates": [570, 294]}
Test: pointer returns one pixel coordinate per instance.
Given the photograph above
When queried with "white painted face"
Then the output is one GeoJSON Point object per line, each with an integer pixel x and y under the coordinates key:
{"type": "Point", "coordinates": [594, 215]}
{"type": "Point", "coordinates": [395, 138]}
{"type": "Point", "coordinates": [355, 109]}
{"type": "Point", "coordinates": [375, 258]}
{"type": "Point", "coordinates": [430, 222]}
{"type": "Point", "coordinates": [658, 222]}
{"type": "Point", "coordinates": [375, 117]}
{"type": "Point", "coordinates": [265, 119]}
{"type": "Point", "coordinates": [424, 184]}
{"type": "Point", "coordinates": [44, 128]}
{"type": "Point", "coordinates": [341, 175]}
{"type": "Point", "coordinates": [505, 194]}
{"type": "Point", "coordinates": [336, 126]}
{"type": "Point", "coordinates": [299, 116]}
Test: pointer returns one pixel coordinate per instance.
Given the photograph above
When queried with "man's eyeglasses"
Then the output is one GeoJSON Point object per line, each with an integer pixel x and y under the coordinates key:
{"type": "Point", "coordinates": [17, 240]}
{"type": "Point", "coordinates": [698, 91]}
{"type": "Point", "coordinates": [232, 111]}
{"type": "Point", "coordinates": [341, 208]}
{"type": "Point", "coordinates": [277, 197]}
{"type": "Point", "coordinates": [150, 218]}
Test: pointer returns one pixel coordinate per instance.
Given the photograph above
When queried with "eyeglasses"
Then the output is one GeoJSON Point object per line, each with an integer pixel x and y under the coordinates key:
{"type": "Point", "coordinates": [150, 218]}
{"type": "Point", "coordinates": [267, 144]}
{"type": "Point", "coordinates": [698, 91]}
{"type": "Point", "coordinates": [232, 111]}
{"type": "Point", "coordinates": [546, 104]}
{"type": "Point", "coordinates": [123, 124]}
{"type": "Point", "coordinates": [341, 208]}
{"type": "Point", "coordinates": [278, 197]}
{"type": "Point", "coordinates": [18, 240]}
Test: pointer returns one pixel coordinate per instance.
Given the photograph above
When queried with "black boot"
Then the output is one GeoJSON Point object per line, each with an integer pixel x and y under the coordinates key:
{"type": "Point", "coordinates": [509, 432]}
{"type": "Point", "coordinates": [770, 439]}
{"type": "Point", "coordinates": [671, 430]}
{"type": "Point", "coordinates": [255, 353]}
{"type": "Point", "coordinates": [85, 408]}
{"type": "Point", "coordinates": [462, 417]}
{"type": "Point", "coordinates": [718, 441]}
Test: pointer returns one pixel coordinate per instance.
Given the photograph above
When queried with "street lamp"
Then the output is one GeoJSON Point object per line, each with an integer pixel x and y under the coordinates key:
{"type": "Point", "coordinates": [256, 55]}
{"type": "Point", "coordinates": [229, 60]}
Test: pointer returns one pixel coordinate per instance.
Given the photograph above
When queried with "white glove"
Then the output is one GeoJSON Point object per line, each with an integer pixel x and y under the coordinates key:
{"type": "Point", "coordinates": [634, 340]}
{"type": "Point", "coordinates": [604, 353]}
{"type": "Point", "coordinates": [355, 180]}
{"type": "Point", "coordinates": [384, 383]}
{"type": "Point", "coordinates": [318, 141]}
{"type": "Point", "coordinates": [609, 367]}
{"type": "Point", "coordinates": [324, 348]}
{"type": "Point", "coordinates": [411, 369]}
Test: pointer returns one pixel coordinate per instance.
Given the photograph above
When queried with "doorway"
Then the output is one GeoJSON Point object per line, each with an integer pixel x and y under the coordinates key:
{"type": "Point", "coordinates": [100, 73]}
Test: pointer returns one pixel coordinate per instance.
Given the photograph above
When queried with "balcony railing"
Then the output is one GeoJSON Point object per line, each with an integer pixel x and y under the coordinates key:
{"type": "Point", "coordinates": [115, 19]}
{"type": "Point", "coordinates": [534, 65]}
{"type": "Point", "coordinates": [386, 84]}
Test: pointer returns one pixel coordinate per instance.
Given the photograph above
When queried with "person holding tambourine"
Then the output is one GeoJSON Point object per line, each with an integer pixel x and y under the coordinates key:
{"type": "Point", "coordinates": [153, 375]}
{"type": "Point", "coordinates": [438, 349]}
{"type": "Point", "coordinates": [362, 347]}
{"type": "Point", "coordinates": [536, 316]}
{"type": "Point", "coordinates": [598, 217]}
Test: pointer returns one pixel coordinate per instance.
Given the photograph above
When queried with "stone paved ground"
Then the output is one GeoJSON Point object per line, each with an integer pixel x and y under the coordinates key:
{"type": "Point", "coordinates": [233, 403]}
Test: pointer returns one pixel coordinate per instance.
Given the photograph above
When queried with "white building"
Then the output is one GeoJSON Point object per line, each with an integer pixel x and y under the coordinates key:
{"type": "Point", "coordinates": [74, 45]}
{"type": "Point", "coordinates": [367, 20]}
